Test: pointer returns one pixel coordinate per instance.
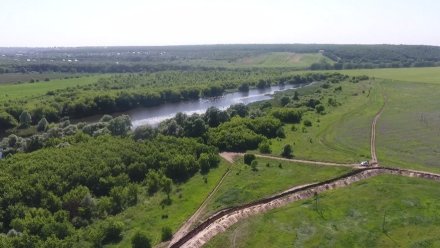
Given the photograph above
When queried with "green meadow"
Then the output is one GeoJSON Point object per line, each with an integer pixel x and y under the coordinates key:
{"type": "Point", "coordinates": [244, 185]}
{"type": "Point", "coordinates": [392, 212]}
{"type": "Point", "coordinates": [29, 90]}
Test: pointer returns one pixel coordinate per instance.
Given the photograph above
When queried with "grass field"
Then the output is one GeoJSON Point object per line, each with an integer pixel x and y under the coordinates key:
{"type": "Point", "coordinates": [412, 75]}
{"type": "Point", "coordinates": [266, 60]}
{"type": "Point", "coordinates": [392, 212]}
{"type": "Point", "coordinates": [283, 59]}
{"type": "Point", "coordinates": [8, 78]}
{"type": "Point", "coordinates": [244, 185]}
{"type": "Point", "coordinates": [409, 129]}
{"type": "Point", "coordinates": [340, 135]}
{"type": "Point", "coordinates": [29, 90]}
{"type": "Point", "coordinates": [408, 132]}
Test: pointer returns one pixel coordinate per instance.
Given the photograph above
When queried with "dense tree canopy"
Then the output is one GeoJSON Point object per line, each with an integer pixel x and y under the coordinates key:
{"type": "Point", "coordinates": [55, 190]}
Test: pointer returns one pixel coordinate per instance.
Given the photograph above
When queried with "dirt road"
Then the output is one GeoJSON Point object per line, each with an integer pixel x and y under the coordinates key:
{"type": "Point", "coordinates": [237, 154]}
{"type": "Point", "coordinates": [223, 219]}
{"type": "Point", "coordinates": [374, 160]}
{"type": "Point", "coordinates": [186, 227]}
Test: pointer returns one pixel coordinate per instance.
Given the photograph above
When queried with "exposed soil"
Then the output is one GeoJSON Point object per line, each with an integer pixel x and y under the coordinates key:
{"type": "Point", "coordinates": [374, 160]}
{"type": "Point", "coordinates": [223, 219]}
{"type": "Point", "coordinates": [231, 156]}
{"type": "Point", "coordinates": [186, 227]}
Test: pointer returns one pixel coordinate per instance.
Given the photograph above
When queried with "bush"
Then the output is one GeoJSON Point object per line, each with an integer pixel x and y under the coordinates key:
{"type": "Point", "coordinates": [307, 123]}
{"type": "Point", "coordinates": [167, 234]}
{"type": "Point", "coordinates": [144, 132]}
{"type": "Point", "coordinates": [264, 147]}
{"type": "Point", "coordinates": [287, 151]}
{"type": "Point", "coordinates": [244, 87]}
{"type": "Point", "coordinates": [254, 165]}
{"type": "Point", "coordinates": [112, 232]}
{"type": "Point", "coordinates": [42, 125]}
{"type": "Point", "coordinates": [7, 120]}
{"type": "Point", "coordinates": [25, 119]}
{"type": "Point", "coordinates": [284, 101]}
{"type": "Point", "coordinates": [208, 161]}
{"type": "Point", "coordinates": [120, 125]}
{"type": "Point", "coordinates": [320, 109]}
{"type": "Point", "coordinates": [287, 115]}
{"type": "Point", "coordinates": [280, 133]}
{"type": "Point", "coordinates": [140, 240]}
{"type": "Point", "coordinates": [248, 158]}
{"type": "Point", "coordinates": [152, 180]}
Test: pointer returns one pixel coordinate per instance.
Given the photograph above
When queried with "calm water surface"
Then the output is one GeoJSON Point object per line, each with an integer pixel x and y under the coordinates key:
{"type": "Point", "coordinates": [154, 115]}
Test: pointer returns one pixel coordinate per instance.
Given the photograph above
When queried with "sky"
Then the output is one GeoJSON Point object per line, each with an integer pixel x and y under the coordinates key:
{"type": "Point", "coordinates": [49, 23]}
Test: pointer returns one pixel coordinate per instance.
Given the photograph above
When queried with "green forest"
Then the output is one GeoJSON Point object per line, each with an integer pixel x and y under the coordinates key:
{"type": "Point", "coordinates": [60, 178]}
{"type": "Point", "coordinates": [152, 59]}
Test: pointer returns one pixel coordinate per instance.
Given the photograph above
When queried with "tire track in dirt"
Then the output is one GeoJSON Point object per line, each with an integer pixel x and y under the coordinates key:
{"type": "Point", "coordinates": [237, 154]}
{"type": "Point", "coordinates": [223, 219]}
{"type": "Point", "coordinates": [186, 227]}
{"type": "Point", "coordinates": [374, 161]}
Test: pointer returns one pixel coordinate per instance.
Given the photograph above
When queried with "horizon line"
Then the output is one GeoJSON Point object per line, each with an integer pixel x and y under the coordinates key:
{"type": "Point", "coordinates": [221, 44]}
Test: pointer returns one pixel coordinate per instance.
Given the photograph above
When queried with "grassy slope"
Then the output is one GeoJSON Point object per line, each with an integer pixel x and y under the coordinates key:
{"type": "Point", "coordinates": [243, 185]}
{"type": "Point", "coordinates": [344, 219]}
{"type": "Point", "coordinates": [343, 133]}
{"type": "Point", "coordinates": [267, 60]}
{"type": "Point", "coordinates": [29, 90]}
{"type": "Point", "coordinates": [408, 131]}
{"type": "Point", "coordinates": [283, 59]}
{"type": "Point", "coordinates": [413, 75]}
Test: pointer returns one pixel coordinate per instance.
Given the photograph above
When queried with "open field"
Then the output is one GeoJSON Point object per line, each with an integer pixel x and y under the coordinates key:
{"type": "Point", "coordinates": [412, 75]}
{"type": "Point", "coordinates": [26, 77]}
{"type": "Point", "coordinates": [29, 90]}
{"type": "Point", "coordinates": [282, 59]}
{"type": "Point", "coordinates": [265, 60]}
{"type": "Point", "coordinates": [243, 185]}
{"type": "Point", "coordinates": [408, 219]}
{"type": "Point", "coordinates": [409, 129]}
{"type": "Point", "coordinates": [340, 135]}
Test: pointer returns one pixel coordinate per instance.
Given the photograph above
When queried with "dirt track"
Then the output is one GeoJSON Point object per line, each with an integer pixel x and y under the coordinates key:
{"type": "Point", "coordinates": [374, 160]}
{"type": "Point", "coordinates": [186, 227]}
{"type": "Point", "coordinates": [223, 219]}
{"type": "Point", "coordinates": [233, 155]}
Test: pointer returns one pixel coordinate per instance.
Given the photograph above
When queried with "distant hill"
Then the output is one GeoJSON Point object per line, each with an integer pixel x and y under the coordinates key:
{"type": "Point", "coordinates": [137, 59]}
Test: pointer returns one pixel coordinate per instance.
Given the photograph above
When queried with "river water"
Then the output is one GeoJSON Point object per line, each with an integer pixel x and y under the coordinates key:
{"type": "Point", "coordinates": [154, 115]}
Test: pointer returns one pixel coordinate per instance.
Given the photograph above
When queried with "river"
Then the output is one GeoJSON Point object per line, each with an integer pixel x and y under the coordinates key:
{"type": "Point", "coordinates": [154, 115]}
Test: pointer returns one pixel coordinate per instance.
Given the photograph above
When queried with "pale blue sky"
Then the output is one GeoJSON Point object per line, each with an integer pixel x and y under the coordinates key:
{"type": "Point", "coordinates": [171, 22]}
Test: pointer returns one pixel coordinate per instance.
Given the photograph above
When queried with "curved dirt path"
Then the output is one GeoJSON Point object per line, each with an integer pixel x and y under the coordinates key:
{"type": "Point", "coordinates": [223, 219]}
{"type": "Point", "coordinates": [374, 161]}
{"type": "Point", "coordinates": [237, 154]}
{"type": "Point", "coordinates": [186, 227]}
